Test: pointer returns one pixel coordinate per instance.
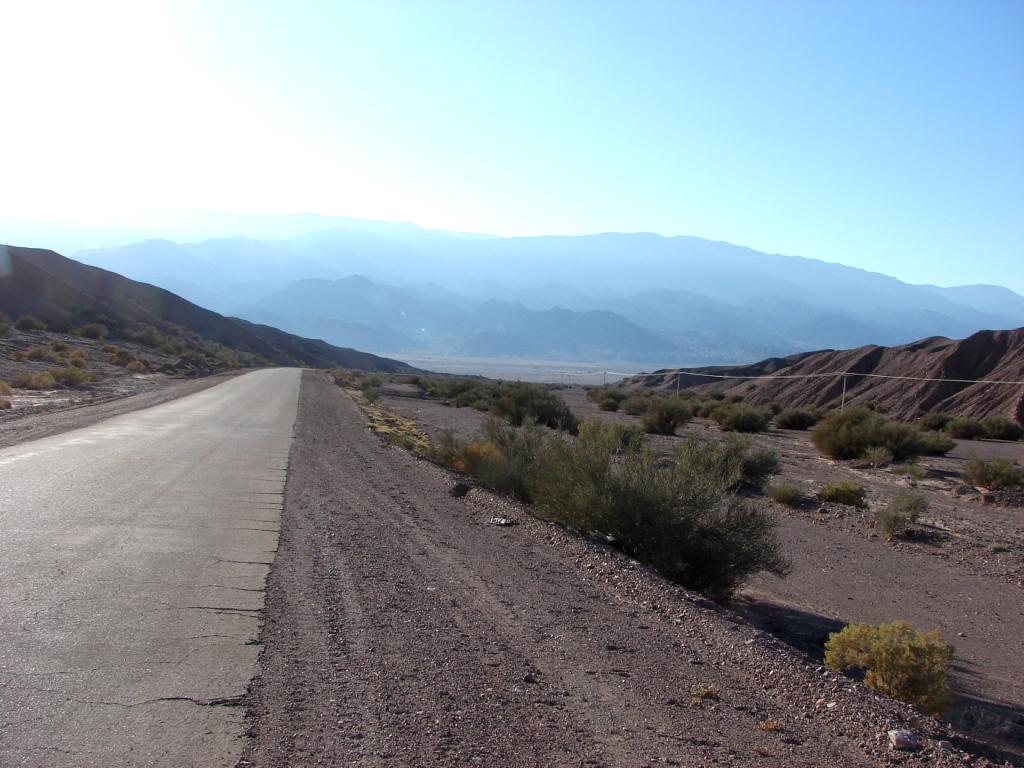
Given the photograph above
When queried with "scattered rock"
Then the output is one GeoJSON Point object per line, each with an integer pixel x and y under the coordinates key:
{"type": "Point", "coordinates": [460, 489]}
{"type": "Point", "coordinates": [503, 521]}
{"type": "Point", "coordinates": [904, 740]}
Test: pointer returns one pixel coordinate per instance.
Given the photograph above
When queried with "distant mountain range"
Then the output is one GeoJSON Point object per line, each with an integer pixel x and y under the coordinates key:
{"type": "Point", "coordinates": [65, 294]}
{"type": "Point", "coordinates": [642, 298]}
{"type": "Point", "coordinates": [986, 355]}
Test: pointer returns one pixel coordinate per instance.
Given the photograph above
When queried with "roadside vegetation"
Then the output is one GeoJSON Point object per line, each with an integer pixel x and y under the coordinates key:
{"type": "Point", "coordinates": [682, 516]}
{"type": "Point", "coordinates": [896, 660]}
{"type": "Point", "coordinates": [845, 492]}
{"type": "Point", "coordinates": [850, 434]}
{"type": "Point", "coordinates": [902, 511]}
{"type": "Point", "coordinates": [994, 474]}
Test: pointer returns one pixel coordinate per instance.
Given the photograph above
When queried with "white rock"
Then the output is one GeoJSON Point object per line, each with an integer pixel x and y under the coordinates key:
{"type": "Point", "coordinates": [904, 740]}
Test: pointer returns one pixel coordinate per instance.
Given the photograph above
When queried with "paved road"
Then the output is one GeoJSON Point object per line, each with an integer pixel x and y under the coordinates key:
{"type": "Point", "coordinates": [133, 556]}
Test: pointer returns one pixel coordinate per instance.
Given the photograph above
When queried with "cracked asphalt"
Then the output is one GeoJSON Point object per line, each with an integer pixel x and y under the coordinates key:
{"type": "Point", "coordinates": [133, 559]}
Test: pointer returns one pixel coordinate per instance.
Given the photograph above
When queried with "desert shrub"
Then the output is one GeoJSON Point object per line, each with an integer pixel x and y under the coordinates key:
{"type": "Point", "coordinates": [707, 409]}
{"type": "Point", "coordinates": [91, 331]}
{"type": "Point", "coordinates": [137, 366]}
{"type": "Point", "coordinates": [680, 518]}
{"type": "Point", "coordinates": [877, 456]}
{"type": "Point", "coordinates": [994, 474]}
{"type": "Point", "coordinates": [999, 428]}
{"type": "Point", "coordinates": [121, 357]}
{"type": "Point", "coordinates": [758, 465]}
{"type": "Point", "coordinates": [635, 405]}
{"type": "Point", "coordinates": [897, 661]}
{"type": "Point", "coordinates": [733, 399]}
{"type": "Point", "coordinates": [30, 380]}
{"type": "Point", "coordinates": [5, 388]}
{"type": "Point", "coordinates": [446, 448]}
{"type": "Point", "coordinates": [18, 356]}
{"type": "Point", "coordinates": [606, 395]}
{"type": "Point", "coordinates": [665, 415]}
{"type": "Point", "coordinates": [715, 394]}
{"type": "Point", "coordinates": [795, 418]}
{"type": "Point", "coordinates": [5, 404]}
{"type": "Point", "coordinates": [784, 492]}
{"type": "Point", "coordinates": [77, 362]}
{"type": "Point", "coordinates": [845, 492]}
{"type": "Point", "coordinates": [519, 402]}
{"type": "Point", "coordinates": [935, 443]}
{"type": "Point", "coordinates": [913, 471]}
{"type": "Point", "coordinates": [42, 354]}
{"type": "Point", "coordinates": [508, 466]}
{"type": "Point", "coordinates": [849, 434]}
{"type": "Point", "coordinates": [899, 514]}
{"type": "Point", "coordinates": [5, 324]}
{"type": "Point", "coordinates": [107, 349]}
{"type": "Point", "coordinates": [71, 377]}
{"type": "Point", "coordinates": [58, 346]}
{"type": "Point", "coordinates": [934, 421]}
{"type": "Point", "coordinates": [29, 323]}
{"type": "Point", "coordinates": [966, 429]}
{"type": "Point", "coordinates": [736, 417]}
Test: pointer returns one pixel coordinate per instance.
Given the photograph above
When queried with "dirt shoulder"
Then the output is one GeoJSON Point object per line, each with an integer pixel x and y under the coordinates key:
{"type": "Point", "coordinates": [402, 628]}
{"type": "Point", "coordinates": [18, 427]}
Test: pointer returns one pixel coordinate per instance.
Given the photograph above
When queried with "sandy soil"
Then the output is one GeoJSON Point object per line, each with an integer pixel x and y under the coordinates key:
{"type": "Point", "coordinates": [946, 577]}
{"type": "Point", "coordinates": [404, 629]}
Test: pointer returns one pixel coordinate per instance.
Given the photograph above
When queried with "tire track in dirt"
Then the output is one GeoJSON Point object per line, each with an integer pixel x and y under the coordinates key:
{"type": "Point", "coordinates": [402, 629]}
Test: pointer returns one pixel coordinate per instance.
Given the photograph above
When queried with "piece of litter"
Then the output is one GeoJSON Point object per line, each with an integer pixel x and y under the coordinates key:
{"type": "Point", "coordinates": [502, 521]}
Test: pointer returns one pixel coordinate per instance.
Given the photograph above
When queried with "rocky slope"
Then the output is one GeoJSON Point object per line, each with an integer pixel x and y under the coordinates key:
{"type": "Point", "coordinates": [65, 294]}
{"type": "Point", "coordinates": [986, 355]}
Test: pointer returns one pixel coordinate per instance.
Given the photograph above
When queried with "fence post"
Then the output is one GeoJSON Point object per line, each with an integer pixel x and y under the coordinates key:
{"type": "Point", "coordinates": [842, 406]}
{"type": "Point", "coordinates": [677, 385]}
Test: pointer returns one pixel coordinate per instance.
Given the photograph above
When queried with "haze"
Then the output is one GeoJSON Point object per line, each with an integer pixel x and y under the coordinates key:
{"type": "Point", "coordinates": [883, 136]}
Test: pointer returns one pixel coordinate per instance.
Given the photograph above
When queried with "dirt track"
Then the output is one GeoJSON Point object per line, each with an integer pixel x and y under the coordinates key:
{"type": "Point", "coordinates": [403, 629]}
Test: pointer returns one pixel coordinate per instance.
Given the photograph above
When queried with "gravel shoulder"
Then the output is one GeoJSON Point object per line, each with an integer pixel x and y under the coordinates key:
{"type": "Point", "coordinates": [403, 629]}
{"type": "Point", "coordinates": [18, 427]}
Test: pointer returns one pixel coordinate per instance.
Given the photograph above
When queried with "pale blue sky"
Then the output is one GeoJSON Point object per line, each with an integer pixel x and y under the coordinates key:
{"type": "Point", "coordinates": [884, 135]}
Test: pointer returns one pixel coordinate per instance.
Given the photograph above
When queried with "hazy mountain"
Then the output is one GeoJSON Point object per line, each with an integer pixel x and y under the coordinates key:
{"type": "Point", "coordinates": [691, 299]}
{"type": "Point", "coordinates": [65, 293]}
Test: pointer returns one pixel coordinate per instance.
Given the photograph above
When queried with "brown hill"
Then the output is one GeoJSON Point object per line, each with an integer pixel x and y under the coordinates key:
{"type": "Point", "coordinates": [65, 294]}
{"type": "Point", "coordinates": [987, 355]}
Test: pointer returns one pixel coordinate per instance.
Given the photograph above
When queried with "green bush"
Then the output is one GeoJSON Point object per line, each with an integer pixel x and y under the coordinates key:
{"type": "Point", "coordinates": [913, 471]}
{"type": "Point", "coordinates": [849, 434]}
{"type": "Point", "coordinates": [665, 415]}
{"type": "Point", "coordinates": [58, 346]}
{"type": "Point", "coordinates": [904, 510]}
{"type": "Point", "coordinates": [897, 661]}
{"type": "Point", "coordinates": [994, 474]}
{"type": "Point", "coordinates": [795, 418]}
{"type": "Point", "coordinates": [736, 417]}
{"type": "Point", "coordinates": [845, 492]}
{"type": "Point", "coordinates": [29, 323]}
{"type": "Point", "coordinates": [519, 402]}
{"type": "Point", "coordinates": [784, 492]}
{"type": "Point", "coordinates": [91, 331]}
{"type": "Point", "coordinates": [966, 429]}
{"type": "Point", "coordinates": [877, 456]}
{"type": "Point", "coordinates": [635, 405]}
{"type": "Point", "coordinates": [934, 443]}
{"type": "Point", "coordinates": [758, 465]}
{"type": "Point", "coordinates": [934, 421]}
{"type": "Point", "coordinates": [998, 428]}
{"type": "Point", "coordinates": [507, 468]}
{"type": "Point", "coordinates": [5, 388]}
{"type": "Point", "coordinates": [609, 404]}
{"type": "Point", "coordinates": [681, 519]}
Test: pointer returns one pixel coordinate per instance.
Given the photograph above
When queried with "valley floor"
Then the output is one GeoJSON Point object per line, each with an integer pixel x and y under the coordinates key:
{"type": "Point", "coordinates": [962, 572]}
{"type": "Point", "coordinates": [403, 628]}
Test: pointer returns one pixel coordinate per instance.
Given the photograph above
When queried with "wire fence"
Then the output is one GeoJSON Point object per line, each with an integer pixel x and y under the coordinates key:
{"type": "Point", "coordinates": [680, 373]}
